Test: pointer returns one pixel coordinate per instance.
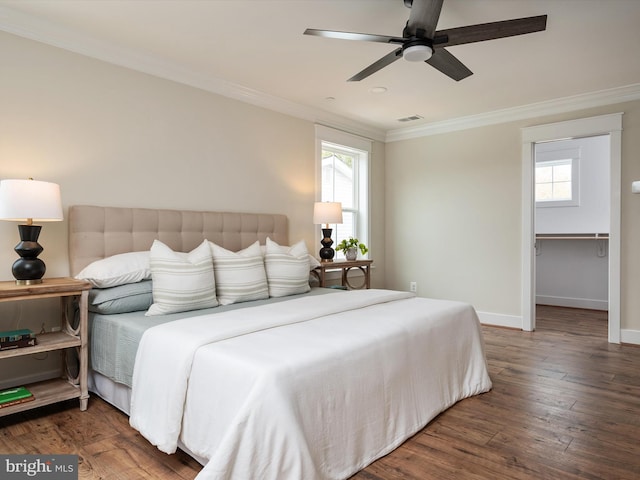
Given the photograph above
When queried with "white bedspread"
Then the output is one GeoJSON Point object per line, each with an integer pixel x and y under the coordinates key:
{"type": "Point", "coordinates": [311, 388]}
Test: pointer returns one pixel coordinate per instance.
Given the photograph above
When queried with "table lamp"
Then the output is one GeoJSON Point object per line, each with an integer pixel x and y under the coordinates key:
{"type": "Point", "coordinates": [28, 201]}
{"type": "Point", "coordinates": [327, 213]}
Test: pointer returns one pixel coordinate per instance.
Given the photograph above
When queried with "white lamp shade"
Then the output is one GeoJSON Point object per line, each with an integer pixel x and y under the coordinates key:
{"type": "Point", "coordinates": [327, 212]}
{"type": "Point", "coordinates": [21, 200]}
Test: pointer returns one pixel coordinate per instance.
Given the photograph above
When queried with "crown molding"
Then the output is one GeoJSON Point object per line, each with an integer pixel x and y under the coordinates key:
{"type": "Point", "coordinates": [550, 107]}
{"type": "Point", "coordinates": [30, 27]}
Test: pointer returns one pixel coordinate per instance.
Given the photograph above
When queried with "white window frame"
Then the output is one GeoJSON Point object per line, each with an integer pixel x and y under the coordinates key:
{"type": "Point", "coordinates": [561, 157]}
{"type": "Point", "coordinates": [352, 144]}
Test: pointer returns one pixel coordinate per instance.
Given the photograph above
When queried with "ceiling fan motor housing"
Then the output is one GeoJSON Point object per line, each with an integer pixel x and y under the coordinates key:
{"type": "Point", "coordinates": [418, 50]}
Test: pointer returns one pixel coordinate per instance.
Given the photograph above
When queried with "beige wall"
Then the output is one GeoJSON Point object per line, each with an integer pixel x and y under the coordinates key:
{"type": "Point", "coordinates": [453, 217]}
{"type": "Point", "coordinates": [453, 214]}
{"type": "Point", "coordinates": [113, 136]}
{"type": "Point", "coordinates": [377, 243]}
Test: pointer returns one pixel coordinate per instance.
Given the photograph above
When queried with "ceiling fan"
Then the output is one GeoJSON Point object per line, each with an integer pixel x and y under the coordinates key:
{"type": "Point", "coordinates": [421, 41]}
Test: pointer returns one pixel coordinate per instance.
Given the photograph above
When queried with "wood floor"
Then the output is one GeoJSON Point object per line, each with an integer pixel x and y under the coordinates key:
{"type": "Point", "coordinates": [565, 404]}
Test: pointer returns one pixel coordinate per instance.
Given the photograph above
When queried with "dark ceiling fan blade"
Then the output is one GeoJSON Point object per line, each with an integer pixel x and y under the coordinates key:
{"type": "Point", "coordinates": [423, 18]}
{"type": "Point", "coordinates": [448, 64]}
{"type": "Point", "coordinates": [365, 37]}
{"type": "Point", "coordinates": [374, 67]}
{"type": "Point", "coordinates": [489, 31]}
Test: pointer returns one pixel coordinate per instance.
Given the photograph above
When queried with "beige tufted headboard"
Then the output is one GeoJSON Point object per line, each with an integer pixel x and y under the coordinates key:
{"type": "Point", "coordinates": [99, 232]}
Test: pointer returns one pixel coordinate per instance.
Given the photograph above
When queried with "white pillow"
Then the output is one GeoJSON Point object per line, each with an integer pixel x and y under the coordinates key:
{"type": "Point", "coordinates": [313, 261]}
{"type": "Point", "coordinates": [287, 268]}
{"type": "Point", "coordinates": [240, 276]}
{"type": "Point", "coordinates": [117, 270]}
{"type": "Point", "coordinates": [181, 281]}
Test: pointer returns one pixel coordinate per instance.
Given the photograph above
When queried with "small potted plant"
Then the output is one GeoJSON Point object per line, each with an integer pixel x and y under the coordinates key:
{"type": "Point", "coordinates": [350, 248]}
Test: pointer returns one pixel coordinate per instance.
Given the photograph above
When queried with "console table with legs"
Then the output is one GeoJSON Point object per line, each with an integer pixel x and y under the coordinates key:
{"type": "Point", "coordinates": [70, 337]}
{"type": "Point", "coordinates": [345, 266]}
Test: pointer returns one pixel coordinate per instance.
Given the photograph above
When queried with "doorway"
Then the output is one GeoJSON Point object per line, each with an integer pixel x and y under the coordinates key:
{"type": "Point", "coordinates": [572, 198]}
{"type": "Point", "coordinates": [610, 125]}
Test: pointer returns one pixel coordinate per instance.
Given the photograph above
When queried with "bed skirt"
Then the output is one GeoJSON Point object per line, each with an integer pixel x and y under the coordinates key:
{"type": "Point", "coordinates": [119, 395]}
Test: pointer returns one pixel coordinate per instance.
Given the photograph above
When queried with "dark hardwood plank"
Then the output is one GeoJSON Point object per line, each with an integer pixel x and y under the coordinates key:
{"type": "Point", "coordinates": [107, 446]}
{"type": "Point", "coordinates": [565, 404]}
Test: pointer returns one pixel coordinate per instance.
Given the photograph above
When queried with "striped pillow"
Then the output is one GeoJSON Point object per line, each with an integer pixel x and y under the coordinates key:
{"type": "Point", "coordinates": [287, 268]}
{"type": "Point", "coordinates": [240, 276]}
{"type": "Point", "coordinates": [181, 281]}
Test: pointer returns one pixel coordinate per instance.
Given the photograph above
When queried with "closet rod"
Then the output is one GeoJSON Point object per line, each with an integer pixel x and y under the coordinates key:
{"type": "Point", "coordinates": [573, 236]}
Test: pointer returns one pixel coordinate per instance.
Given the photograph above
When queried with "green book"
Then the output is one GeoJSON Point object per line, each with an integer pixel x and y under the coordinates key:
{"type": "Point", "coordinates": [12, 394]}
{"type": "Point", "coordinates": [14, 335]}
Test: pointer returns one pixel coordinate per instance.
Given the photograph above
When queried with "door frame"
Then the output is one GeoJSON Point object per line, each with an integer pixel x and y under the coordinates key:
{"type": "Point", "coordinates": [611, 125]}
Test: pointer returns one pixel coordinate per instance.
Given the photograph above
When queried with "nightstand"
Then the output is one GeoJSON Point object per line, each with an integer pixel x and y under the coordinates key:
{"type": "Point", "coordinates": [344, 265]}
{"type": "Point", "coordinates": [71, 337]}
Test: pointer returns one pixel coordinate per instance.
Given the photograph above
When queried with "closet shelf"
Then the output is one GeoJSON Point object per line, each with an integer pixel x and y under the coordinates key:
{"type": "Point", "coordinates": [572, 236]}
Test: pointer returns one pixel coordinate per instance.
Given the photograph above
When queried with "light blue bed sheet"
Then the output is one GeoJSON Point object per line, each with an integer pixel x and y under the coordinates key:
{"type": "Point", "coordinates": [113, 339]}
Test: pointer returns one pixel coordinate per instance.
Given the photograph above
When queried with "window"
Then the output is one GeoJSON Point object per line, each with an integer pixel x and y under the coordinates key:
{"type": "Point", "coordinates": [553, 181]}
{"type": "Point", "coordinates": [557, 180]}
{"type": "Point", "coordinates": [343, 162]}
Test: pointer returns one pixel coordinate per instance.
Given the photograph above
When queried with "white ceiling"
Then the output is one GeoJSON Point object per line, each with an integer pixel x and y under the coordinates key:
{"type": "Point", "coordinates": [255, 50]}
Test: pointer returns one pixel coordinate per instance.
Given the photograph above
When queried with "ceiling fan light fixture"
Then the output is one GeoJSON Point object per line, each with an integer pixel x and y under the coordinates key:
{"type": "Point", "coordinates": [417, 53]}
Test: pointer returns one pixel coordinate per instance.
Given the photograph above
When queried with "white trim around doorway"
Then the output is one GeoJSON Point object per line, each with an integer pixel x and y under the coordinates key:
{"type": "Point", "coordinates": [585, 127]}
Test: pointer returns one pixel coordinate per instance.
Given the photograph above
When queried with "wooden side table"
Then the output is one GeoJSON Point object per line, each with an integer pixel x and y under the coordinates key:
{"type": "Point", "coordinates": [70, 336]}
{"type": "Point", "coordinates": [345, 265]}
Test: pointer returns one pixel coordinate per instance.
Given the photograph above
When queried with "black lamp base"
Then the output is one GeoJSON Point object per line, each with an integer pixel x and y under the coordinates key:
{"type": "Point", "coordinates": [326, 252]}
{"type": "Point", "coordinates": [28, 269]}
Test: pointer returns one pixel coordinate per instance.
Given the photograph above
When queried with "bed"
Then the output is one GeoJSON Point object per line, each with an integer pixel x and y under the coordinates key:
{"type": "Point", "coordinates": [296, 383]}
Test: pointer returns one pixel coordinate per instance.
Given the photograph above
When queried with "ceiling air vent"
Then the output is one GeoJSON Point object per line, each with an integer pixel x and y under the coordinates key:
{"type": "Point", "coordinates": [410, 119]}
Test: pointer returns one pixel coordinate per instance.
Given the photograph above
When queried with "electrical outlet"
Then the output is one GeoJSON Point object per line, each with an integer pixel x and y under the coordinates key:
{"type": "Point", "coordinates": [55, 329]}
{"type": "Point", "coordinates": [413, 286]}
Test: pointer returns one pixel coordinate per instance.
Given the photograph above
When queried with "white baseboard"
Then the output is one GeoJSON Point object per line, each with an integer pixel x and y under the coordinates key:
{"type": "Point", "coordinates": [500, 320]}
{"type": "Point", "coordinates": [513, 321]}
{"type": "Point", "coordinates": [572, 302]}
{"type": "Point", "coordinates": [630, 336]}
